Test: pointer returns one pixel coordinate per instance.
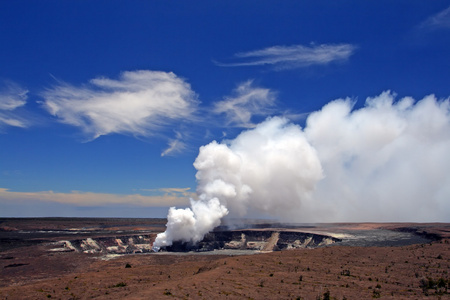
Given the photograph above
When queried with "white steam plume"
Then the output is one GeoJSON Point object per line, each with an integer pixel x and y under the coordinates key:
{"type": "Point", "coordinates": [387, 161]}
{"type": "Point", "coordinates": [256, 170]}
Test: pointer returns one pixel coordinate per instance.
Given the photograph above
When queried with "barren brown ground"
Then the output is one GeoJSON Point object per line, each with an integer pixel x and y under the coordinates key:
{"type": "Point", "coordinates": [408, 272]}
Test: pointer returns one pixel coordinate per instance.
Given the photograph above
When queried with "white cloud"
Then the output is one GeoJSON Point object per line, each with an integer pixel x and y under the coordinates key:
{"type": "Point", "coordinates": [296, 56]}
{"type": "Point", "coordinates": [179, 192]}
{"type": "Point", "coordinates": [12, 96]}
{"type": "Point", "coordinates": [439, 20]}
{"type": "Point", "coordinates": [140, 103]}
{"type": "Point", "coordinates": [175, 146]}
{"type": "Point", "coordinates": [170, 197]}
{"type": "Point", "coordinates": [387, 161]}
{"type": "Point", "coordinates": [246, 102]}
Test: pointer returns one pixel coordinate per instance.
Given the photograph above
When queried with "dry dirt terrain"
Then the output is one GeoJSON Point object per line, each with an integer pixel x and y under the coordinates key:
{"type": "Point", "coordinates": [418, 271]}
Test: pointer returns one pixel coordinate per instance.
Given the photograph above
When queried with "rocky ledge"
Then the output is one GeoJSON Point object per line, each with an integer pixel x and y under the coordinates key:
{"type": "Point", "coordinates": [262, 240]}
{"type": "Point", "coordinates": [109, 245]}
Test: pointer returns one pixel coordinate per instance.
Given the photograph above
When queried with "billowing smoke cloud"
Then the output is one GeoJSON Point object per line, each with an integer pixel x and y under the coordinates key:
{"type": "Point", "coordinates": [387, 161]}
{"type": "Point", "coordinates": [271, 168]}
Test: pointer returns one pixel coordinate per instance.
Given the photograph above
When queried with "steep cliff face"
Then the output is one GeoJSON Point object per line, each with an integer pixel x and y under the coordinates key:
{"type": "Point", "coordinates": [263, 240]}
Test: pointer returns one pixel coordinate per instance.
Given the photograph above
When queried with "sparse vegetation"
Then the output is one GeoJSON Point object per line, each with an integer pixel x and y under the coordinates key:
{"type": "Point", "coordinates": [376, 294]}
{"type": "Point", "coordinates": [167, 292]}
{"type": "Point", "coordinates": [120, 284]}
{"type": "Point", "coordinates": [326, 296]}
{"type": "Point", "coordinates": [440, 286]}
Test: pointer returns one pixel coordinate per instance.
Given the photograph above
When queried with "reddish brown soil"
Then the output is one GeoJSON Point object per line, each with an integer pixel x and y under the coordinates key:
{"type": "Point", "coordinates": [340, 272]}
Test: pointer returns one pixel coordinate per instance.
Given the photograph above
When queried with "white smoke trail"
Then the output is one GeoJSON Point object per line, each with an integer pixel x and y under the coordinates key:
{"type": "Point", "coordinates": [387, 161]}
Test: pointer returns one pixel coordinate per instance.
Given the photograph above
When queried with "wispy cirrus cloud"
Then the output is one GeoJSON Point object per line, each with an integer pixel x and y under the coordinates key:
{"type": "Point", "coordinates": [12, 97]}
{"type": "Point", "coordinates": [247, 101]}
{"type": "Point", "coordinates": [296, 56]}
{"type": "Point", "coordinates": [139, 103]}
{"type": "Point", "coordinates": [437, 21]}
{"type": "Point", "coordinates": [175, 145]}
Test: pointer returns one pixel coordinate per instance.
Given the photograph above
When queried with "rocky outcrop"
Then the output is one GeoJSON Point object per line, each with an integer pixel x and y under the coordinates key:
{"type": "Point", "coordinates": [109, 245]}
{"type": "Point", "coordinates": [259, 240]}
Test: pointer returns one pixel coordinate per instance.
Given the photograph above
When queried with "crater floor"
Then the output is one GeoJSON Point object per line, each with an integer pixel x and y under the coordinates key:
{"type": "Point", "coordinates": [83, 258]}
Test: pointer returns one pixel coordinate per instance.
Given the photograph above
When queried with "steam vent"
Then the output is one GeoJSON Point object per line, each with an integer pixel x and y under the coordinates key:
{"type": "Point", "coordinates": [251, 239]}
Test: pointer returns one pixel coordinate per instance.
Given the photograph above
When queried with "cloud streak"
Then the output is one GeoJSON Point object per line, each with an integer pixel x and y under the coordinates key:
{"type": "Point", "coordinates": [247, 101]}
{"type": "Point", "coordinates": [175, 146]}
{"type": "Point", "coordinates": [169, 197]}
{"type": "Point", "coordinates": [139, 103]}
{"type": "Point", "coordinates": [438, 21]}
{"type": "Point", "coordinates": [296, 56]}
{"type": "Point", "coordinates": [12, 97]}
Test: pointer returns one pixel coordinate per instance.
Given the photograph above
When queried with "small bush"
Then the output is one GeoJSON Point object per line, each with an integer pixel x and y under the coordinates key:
{"type": "Point", "coordinates": [167, 292]}
{"type": "Point", "coordinates": [440, 285]}
{"type": "Point", "coordinates": [120, 284]}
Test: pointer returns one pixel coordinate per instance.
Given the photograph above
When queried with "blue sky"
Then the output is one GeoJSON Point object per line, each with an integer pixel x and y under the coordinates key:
{"type": "Point", "coordinates": [104, 104]}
